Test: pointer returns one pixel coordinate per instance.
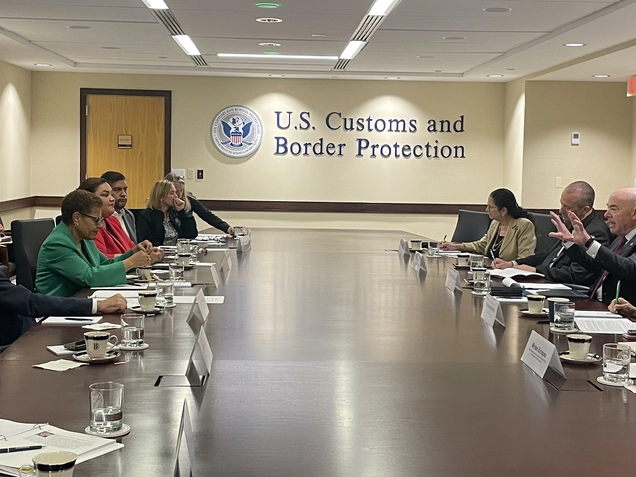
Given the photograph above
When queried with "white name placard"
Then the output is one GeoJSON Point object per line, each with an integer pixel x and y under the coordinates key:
{"type": "Point", "coordinates": [453, 282]}
{"type": "Point", "coordinates": [492, 312]}
{"type": "Point", "coordinates": [215, 275]}
{"type": "Point", "coordinates": [202, 306]}
{"type": "Point", "coordinates": [185, 427]}
{"type": "Point", "coordinates": [418, 264]}
{"type": "Point", "coordinates": [403, 249]}
{"type": "Point", "coordinates": [541, 354]}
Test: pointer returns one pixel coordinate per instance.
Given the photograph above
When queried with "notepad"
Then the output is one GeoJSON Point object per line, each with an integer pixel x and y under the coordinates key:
{"type": "Point", "coordinates": [71, 320]}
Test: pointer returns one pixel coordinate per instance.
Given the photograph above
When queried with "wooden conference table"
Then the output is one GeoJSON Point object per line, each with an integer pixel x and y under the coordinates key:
{"type": "Point", "coordinates": [332, 358]}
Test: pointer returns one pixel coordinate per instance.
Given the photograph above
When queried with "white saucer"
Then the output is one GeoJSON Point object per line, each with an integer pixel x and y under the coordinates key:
{"type": "Point", "coordinates": [168, 306]}
{"type": "Point", "coordinates": [125, 429]}
{"type": "Point", "coordinates": [602, 380]}
{"type": "Point", "coordinates": [83, 357]}
{"type": "Point", "coordinates": [538, 315]}
{"type": "Point", "coordinates": [479, 293]}
{"type": "Point", "coordinates": [156, 310]}
{"type": "Point", "coordinates": [591, 358]}
{"type": "Point", "coordinates": [562, 332]}
{"type": "Point", "coordinates": [136, 348]}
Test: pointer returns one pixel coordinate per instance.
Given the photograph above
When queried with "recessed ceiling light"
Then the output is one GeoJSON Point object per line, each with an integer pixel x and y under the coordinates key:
{"type": "Point", "coordinates": [510, 69]}
{"type": "Point", "coordinates": [276, 76]}
{"type": "Point", "coordinates": [574, 45]}
{"type": "Point", "coordinates": [79, 27]}
{"type": "Point", "coordinates": [278, 57]}
{"type": "Point", "coordinates": [383, 7]}
{"type": "Point", "coordinates": [600, 76]}
{"type": "Point", "coordinates": [267, 5]}
{"type": "Point", "coordinates": [269, 45]}
{"type": "Point", "coordinates": [268, 20]}
{"type": "Point", "coordinates": [425, 57]}
{"type": "Point", "coordinates": [318, 35]}
{"type": "Point", "coordinates": [392, 77]}
{"type": "Point", "coordinates": [454, 38]}
{"type": "Point", "coordinates": [352, 49]}
{"type": "Point", "coordinates": [495, 76]}
{"type": "Point", "coordinates": [497, 10]}
{"type": "Point", "coordinates": [186, 44]}
{"type": "Point", "coordinates": [156, 4]}
{"type": "Point", "coordinates": [111, 48]}
{"type": "Point", "coordinates": [43, 65]}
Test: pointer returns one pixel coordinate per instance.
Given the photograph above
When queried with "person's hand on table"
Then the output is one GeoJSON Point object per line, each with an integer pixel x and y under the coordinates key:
{"type": "Point", "coordinates": [449, 246]}
{"type": "Point", "coordinates": [156, 254]}
{"type": "Point", "coordinates": [231, 231]}
{"type": "Point", "coordinates": [136, 260]}
{"type": "Point", "coordinates": [144, 246]}
{"type": "Point", "coordinates": [623, 308]}
{"type": "Point", "coordinates": [501, 264]}
{"type": "Point", "coordinates": [114, 304]}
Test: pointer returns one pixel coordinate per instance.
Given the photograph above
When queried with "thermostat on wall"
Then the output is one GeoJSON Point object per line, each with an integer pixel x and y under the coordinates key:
{"type": "Point", "coordinates": [576, 138]}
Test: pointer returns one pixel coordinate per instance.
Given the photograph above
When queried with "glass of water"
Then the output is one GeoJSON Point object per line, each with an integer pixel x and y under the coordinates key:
{"type": "Point", "coordinates": [176, 271]}
{"type": "Point", "coordinates": [564, 315]}
{"type": "Point", "coordinates": [476, 261]}
{"type": "Point", "coordinates": [106, 401]}
{"type": "Point", "coordinates": [616, 358]}
{"type": "Point", "coordinates": [481, 281]}
{"type": "Point", "coordinates": [433, 249]}
{"type": "Point", "coordinates": [165, 294]}
{"type": "Point", "coordinates": [183, 246]}
{"type": "Point", "coordinates": [132, 331]}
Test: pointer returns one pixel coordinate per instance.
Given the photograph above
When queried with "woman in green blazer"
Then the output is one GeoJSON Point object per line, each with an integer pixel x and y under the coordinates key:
{"type": "Point", "coordinates": [511, 234]}
{"type": "Point", "coordinates": [69, 260]}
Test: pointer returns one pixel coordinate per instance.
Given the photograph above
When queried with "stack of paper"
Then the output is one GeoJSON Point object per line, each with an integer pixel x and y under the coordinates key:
{"type": "Point", "coordinates": [52, 439]}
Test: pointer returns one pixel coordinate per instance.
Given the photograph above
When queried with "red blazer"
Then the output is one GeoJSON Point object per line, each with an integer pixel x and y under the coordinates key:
{"type": "Point", "coordinates": [111, 239]}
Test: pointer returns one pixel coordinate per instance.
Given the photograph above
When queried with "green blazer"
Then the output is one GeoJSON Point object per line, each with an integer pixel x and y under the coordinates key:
{"type": "Point", "coordinates": [63, 270]}
{"type": "Point", "coordinates": [519, 242]}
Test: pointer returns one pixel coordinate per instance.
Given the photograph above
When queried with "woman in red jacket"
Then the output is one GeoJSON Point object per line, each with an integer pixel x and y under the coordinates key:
{"type": "Point", "coordinates": [111, 239]}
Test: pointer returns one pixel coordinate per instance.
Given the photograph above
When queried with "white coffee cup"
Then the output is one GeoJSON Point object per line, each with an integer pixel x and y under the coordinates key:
{"type": "Point", "coordinates": [535, 304]}
{"type": "Point", "coordinates": [97, 343]}
{"type": "Point", "coordinates": [144, 273]}
{"type": "Point", "coordinates": [147, 299]}
{"type": "Point", "coordinates": [579, 345]}
{"type": "Point", "coordinates": [463, 259]}
{"type": "Point", "coordinates": [184, 259]}
{"type": "Point", "coordinates": [54, 464]}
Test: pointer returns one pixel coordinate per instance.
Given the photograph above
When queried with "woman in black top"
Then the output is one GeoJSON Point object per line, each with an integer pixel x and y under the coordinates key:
{"type": "Point", "coordinates": [193, 205]}
{"type": "Point", "coordinates": [165, 219]}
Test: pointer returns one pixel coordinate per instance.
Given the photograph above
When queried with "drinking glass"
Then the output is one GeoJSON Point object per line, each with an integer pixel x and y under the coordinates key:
{"type": "Point", "coordinates": [564, 315]}
{"type": "Point", "coordinates": [183, 246]}
{"type": "Point", "coordinates": [165, 293]}
{"type": "Point", "coordinates": [433, 249]}
{"type": "Point", "coordinates": [616, 358]}
{"type": "Point", "coordinates": [481, 281]}
{"type": "Point", "coordinates": [132, 330]}
{"type": "Point", "coordinates": [176, 271]}
{"type": "Point", "coordinates": [106, 402]}
{"type": "Point", "coordinates": [476, 261]}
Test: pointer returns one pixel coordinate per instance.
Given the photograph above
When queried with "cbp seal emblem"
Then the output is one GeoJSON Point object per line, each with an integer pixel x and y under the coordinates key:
{"type": "Point", "coordinates": [237, 131]}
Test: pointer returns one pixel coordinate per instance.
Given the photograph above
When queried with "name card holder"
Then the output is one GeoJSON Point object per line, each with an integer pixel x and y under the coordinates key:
{"type": "Point", "coordinates": [216, 278]}
{"type": "Point", "coordinates": [195, 375]}
{"type": "Point", "coordinates": [226, 265]}
{"type": "Point", "coordinates": [199, 312]}
{"type": "Point", "coordinates": [540, 355]}
{"type": "Point", "coordinates": [453, 281]}
{"type": "Point", "coordinates": [404, 249]}
{"type": "Point", "coordinates": [185, 428]}
{"type": "Point", "coordinates": [492, 312]}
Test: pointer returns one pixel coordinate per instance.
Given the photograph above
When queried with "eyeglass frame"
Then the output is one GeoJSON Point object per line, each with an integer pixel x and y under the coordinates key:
{"type": "Point", "coordinates": [97, 220]}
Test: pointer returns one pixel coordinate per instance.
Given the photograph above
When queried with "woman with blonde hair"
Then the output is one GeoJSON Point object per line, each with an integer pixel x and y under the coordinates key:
{"type": "Point", "coordinates": [193, 205]}
{"type": "Point", "coordinates": [165, 219]}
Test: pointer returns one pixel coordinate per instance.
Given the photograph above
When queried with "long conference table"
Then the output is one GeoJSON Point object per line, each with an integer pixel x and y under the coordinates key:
{"type": "Point", "coordinates": [332, 357]}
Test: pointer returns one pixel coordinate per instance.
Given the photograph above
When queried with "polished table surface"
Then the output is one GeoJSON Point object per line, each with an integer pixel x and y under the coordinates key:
{"type": "Point", "coordinates": [333, 358]}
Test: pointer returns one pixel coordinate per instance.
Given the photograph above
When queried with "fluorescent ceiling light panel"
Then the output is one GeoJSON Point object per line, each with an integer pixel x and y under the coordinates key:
{"type": "Point", "coordinates": [383, 7]}
{"type": "Point", "coordinates": [156, 4]}
{"type": "Point", "coordinates": [352, 49]}
{"type": "Point", "coordinates": [186, 44]}
{"type": "Point", "coordinates": [285, 57]}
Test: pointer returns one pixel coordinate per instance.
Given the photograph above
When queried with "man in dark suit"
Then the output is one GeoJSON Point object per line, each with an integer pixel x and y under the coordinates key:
{"type": "Point", "coordinates": [617, 263]}
{"type": "Point", "coordinates": [553, 262]}
{"type": "Point", "coordinates": [19, 307]}
{"type": "Point", "coordinates": [119, 186]}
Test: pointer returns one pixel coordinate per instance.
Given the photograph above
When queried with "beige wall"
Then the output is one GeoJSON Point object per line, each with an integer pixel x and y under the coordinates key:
{"type": "Point", "coordinates": [15, 131]}
{"type": "Point", "coordinates": [514, 126]}
{"type": "Point", "coordinates": [196, 100]}
{"type": "Point", "coordinates": [602, 113]}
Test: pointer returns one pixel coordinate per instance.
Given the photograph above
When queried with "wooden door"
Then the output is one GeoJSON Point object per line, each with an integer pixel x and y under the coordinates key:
{"type": "Point", "coordinates": [143, 118]}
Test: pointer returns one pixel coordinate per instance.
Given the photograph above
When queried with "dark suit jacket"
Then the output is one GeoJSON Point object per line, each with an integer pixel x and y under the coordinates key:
{"type": "Point", "coordinates": [131, 227]}
{"type": "Point", "coordinates": [214, 220]}
{"type": "Point", "coordinates": [150, 225]}
{"type": "Point", "coordinates": [564, 270]}
{"type": "Point", "coordinates": [620, 267]}
{"type": "Point", "coordinates": [18, 307]}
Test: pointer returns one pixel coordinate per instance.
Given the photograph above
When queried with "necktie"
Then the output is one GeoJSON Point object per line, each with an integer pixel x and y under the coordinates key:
{"type": "Point", "coordinates": [600, 280]}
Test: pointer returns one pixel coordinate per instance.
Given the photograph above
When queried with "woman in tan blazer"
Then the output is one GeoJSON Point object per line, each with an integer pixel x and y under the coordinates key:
{"type": "Point", "coordinates": [511, 233]}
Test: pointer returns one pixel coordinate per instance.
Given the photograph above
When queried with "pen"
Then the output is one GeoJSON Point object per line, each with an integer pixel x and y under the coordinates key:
{"type": "Point", "coordinates": [79, 319]}
{"type": "Point", "coordinates": [444, 239]}
{"type": "Point", "coordinates": [19, 449]}
{"type": "Point", "coordinates": [618, 291]}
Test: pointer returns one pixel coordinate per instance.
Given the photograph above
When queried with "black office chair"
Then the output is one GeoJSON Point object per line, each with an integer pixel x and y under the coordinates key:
{"type": "Point", "coordinates": [471, 226]}
{"type": "Point", "coordinates": [7, 265]}
{"type": "Point", "coordinates": [542, 227]}
{"type": "Point", "coordinates": [28, 236]}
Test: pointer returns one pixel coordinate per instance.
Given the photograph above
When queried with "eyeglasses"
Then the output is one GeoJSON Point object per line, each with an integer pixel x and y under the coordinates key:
{"type": "Point", "coordinates": [97, 220]}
